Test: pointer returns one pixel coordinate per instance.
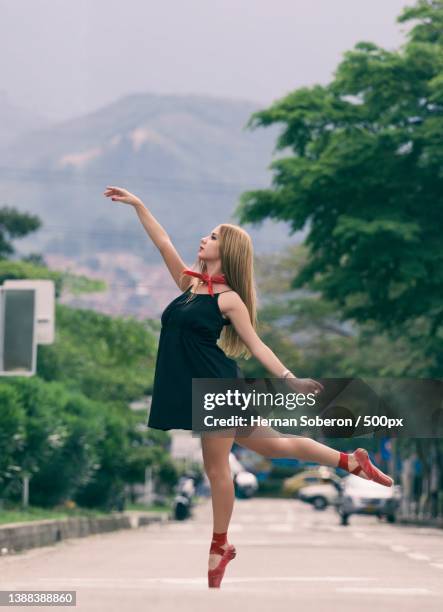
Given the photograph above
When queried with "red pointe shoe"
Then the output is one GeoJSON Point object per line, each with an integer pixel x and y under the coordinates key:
{"type": "Point", "coordinates": [361, 454]}
{"type": "Point", "coordinates": [365, 465]}
{"type": "Point", "coordinates": [215, 576]}
{"type": "Point", "coordinates": [343, 463]}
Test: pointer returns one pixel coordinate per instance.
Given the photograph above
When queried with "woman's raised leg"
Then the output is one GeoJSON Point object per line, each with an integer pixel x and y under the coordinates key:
{"type": "Point", "coordinates": [270, 443]}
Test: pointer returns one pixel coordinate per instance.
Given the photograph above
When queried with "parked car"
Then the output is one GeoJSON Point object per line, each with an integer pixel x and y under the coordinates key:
{"type": "Point", "coordinates": [320, 495]}
{"type": "Point", "coordinates": [311, 476]}
{"type": "Point", "coordinates": [361, 496]}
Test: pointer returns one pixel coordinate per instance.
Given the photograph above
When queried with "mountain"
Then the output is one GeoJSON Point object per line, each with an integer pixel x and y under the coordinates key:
{"type": "Point", "coordinates": [188, 158]}
{"type": "Point", "coordinates": [16, 121]}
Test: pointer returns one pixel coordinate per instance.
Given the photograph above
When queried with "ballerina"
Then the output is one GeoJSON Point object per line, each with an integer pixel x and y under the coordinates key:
{"type": "Point", "coordinates": [219, 301]}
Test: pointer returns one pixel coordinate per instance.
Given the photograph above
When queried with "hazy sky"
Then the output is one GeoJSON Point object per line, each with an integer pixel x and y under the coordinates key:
{"type": "Point", "coordinates": [64, 57]}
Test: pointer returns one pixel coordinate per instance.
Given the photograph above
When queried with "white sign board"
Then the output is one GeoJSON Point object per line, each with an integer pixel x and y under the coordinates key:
{"type": "Point", "coordinates": [18, 324]}
{"type": "Point", "coordinates": [45, 306]}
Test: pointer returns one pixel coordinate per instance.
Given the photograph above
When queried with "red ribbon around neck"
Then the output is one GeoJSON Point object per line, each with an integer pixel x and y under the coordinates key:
{"type": "Point", "coordinates": [207, 278]}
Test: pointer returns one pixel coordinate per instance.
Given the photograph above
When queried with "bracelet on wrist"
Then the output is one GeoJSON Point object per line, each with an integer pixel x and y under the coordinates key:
{"type": "Point", "coordinates": [285, 373]}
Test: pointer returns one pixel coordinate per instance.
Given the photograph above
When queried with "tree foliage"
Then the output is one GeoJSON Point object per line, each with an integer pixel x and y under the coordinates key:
{"type": "Point", "coordinates": [361, 167]}
{"type": "Point", "coordinates": [14, 224]}
{"type": "Point", "coordinates": [70, 428]}
{"type": "Point", "coordinates": [106, 358]}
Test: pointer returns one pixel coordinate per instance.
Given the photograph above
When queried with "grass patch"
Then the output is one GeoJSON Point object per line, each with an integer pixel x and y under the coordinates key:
{"type": "Point", "coordinates": [152, 507]}
{"type": "Point", "coordinates": [34, 513]}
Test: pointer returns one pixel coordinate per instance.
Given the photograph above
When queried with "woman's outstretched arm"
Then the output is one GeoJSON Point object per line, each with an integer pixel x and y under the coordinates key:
{"type": "Point", "coordinates": [234, 308]}
{"type": "Point", "coordinates": [155, 231]}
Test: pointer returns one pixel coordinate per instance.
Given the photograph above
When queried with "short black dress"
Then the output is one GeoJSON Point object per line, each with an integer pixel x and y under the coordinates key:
{"type": "Point", "coordinates": [187, 349]}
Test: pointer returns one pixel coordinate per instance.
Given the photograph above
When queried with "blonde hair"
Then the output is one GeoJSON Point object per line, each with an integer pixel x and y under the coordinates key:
{"type": "Point", "coordinates": [237, 264]}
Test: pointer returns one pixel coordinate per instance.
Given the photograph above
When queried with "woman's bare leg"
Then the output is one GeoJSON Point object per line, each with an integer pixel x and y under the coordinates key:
{"type": "Point", "coordinates": [215, 450]}
{"type": "Point", "coordinates": [270, 443]}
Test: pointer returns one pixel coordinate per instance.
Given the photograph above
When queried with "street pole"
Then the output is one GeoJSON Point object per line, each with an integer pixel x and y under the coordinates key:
{"type": "Point", "coordinates": [393, 459]}
{"type": "Point", "coordinates": [25, 491]}
{"type": "Point", "coordinates": [148, 486]}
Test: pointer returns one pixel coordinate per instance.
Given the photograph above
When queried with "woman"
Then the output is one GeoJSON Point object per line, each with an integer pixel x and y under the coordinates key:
{"type": "Point", "coordinates": [220, 300]}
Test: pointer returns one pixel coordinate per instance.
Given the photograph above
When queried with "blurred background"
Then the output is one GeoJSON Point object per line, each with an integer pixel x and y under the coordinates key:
{"type": "Point", "coordinates": [314, 125]}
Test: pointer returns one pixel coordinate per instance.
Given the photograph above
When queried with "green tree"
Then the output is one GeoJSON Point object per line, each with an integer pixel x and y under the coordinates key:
{"type": "Point", "coordinates": [69, 428]}
{"type": "Point", "coordinates": [361, 169]}
{"type": "Point", "coordinates": [106, 358]}
{"type": "Point", "coordinates": [12, 435]}
{"type": "Point", "coordinates": [58, 435]}
{"type": "Point", "coordinates": [14, 224]}
{"type": "Point", "coordinates": [72, 447]}
{"type": "Point", "coordinates": [310, 333]}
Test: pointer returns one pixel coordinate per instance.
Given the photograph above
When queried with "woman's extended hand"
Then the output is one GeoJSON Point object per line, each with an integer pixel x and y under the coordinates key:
{"type": "Point", "coordinates": [117, 194]}
{"type": "Point", "coordinates": [304, 385]}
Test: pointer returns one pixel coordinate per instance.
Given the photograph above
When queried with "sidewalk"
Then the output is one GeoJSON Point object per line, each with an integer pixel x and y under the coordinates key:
{"type": "Point", "coordinates": [15, 537]}
{"type": "Point", "coordinates": [423, 522]}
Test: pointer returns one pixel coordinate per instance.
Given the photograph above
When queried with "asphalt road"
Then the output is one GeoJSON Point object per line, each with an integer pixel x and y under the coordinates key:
{"type": "Point", "coordinates": [287, 555]}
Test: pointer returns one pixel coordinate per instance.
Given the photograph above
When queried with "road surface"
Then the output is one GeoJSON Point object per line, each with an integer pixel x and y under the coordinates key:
{"type": "Point", "coordinates": [288, 555]}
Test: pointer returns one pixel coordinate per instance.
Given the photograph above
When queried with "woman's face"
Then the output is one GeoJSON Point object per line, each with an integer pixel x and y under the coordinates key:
{"type": "Point", "coordinates": [209, 246]}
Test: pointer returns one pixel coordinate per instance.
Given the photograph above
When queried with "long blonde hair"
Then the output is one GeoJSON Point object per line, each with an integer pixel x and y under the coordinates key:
{"type": "Point", "coordinates": [237, 263]}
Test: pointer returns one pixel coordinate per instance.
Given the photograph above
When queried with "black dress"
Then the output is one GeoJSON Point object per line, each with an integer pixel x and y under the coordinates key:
{"type": "Point", "coordinates": [187, 349]}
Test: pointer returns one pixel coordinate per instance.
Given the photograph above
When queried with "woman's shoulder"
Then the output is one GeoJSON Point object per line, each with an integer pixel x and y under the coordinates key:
{"type": "Point", "coordinates": [224, 288]}
{"type": "Point", "coordinates": [227, 291]}
{"type": "Point", "coordinates": [228, 296]}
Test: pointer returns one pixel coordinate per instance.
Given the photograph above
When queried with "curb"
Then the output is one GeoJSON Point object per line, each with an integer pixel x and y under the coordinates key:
{"type": "Point", "coordinates": [437, 522]}
{"type": "Point", "coordinates": [16, 537]}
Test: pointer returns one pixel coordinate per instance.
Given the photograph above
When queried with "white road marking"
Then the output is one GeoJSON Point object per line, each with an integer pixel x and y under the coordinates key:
{"type": "Point", "coordinates": [137, 583]}
{"type": "Point", "coordinates": [334, 528]}
{"type": "Point", "coordinates": [271, 518]}
{"type": "Point", "coordinates": [437, 565]}
{"type": "Point", "coordinates": [179, 526]}
{"type": "Point", "coordinates": [235, 527]}
{"type": "Point", "coordinates": [385, 590]}
{"type": "Point", "coordinates": [283, 527]}
{"type": "Point", "coordinates": [247, 517]}
{"type": "Point", "coordinates": [418, 556]}
{"type": "Point", "coordinates": [201, 528]}
{"type": "Point", "coordinates": [298, 579]}
{"type": "Point", "coordinates": [399, 548]}
{"type": "Point", "coordinates": [243, 542]}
